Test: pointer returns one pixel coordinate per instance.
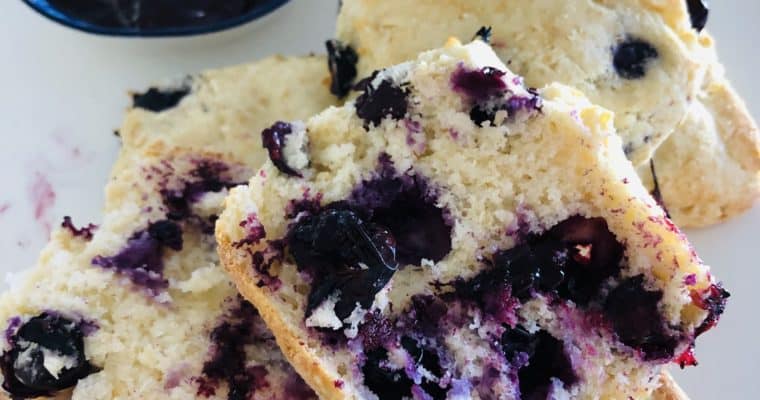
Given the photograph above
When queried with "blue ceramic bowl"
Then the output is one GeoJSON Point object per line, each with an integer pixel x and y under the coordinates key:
{"type": "Point", "coordinates": [49, 9]}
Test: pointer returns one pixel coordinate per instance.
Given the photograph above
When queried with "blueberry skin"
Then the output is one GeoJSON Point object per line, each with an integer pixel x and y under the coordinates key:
{"type": "Point", "coordinates": [56, 334]}
{"type": "Point", "coordinates": [273, 139]}
{"type": "Point", "coordinates": [158, 100]}
{"type": "Point", "coordinates": [344, 253]}
{"type": "Point", "coordinates": [341, 59]}
{"type": "Point", "coordinates": [632, 57]}
{"type": "Point", "coordinates": [698, 11]}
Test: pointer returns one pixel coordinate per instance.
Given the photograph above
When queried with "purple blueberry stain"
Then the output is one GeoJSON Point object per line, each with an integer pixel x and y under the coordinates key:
{"type": "Point", "coordinates": [254, 231]}
{"type": "Point", "coordinates": [85, 232]}
{"type": "Point", "coordinates": [48, 334]}
{"type": "Point", "coordinates": [141, 260]}
{"type": "Point", "coordinates": [274, 139]}
{"type": "Point", "coordinates": [487, 91]}
{"type": "Point", "coordinates": [386, 99]}
{"type": "Point", "coordinates": [227, 363]}
{"type": "Point", "coordinates": [713, 300]}
{"type": "Point", "coordinates": [341, 60]}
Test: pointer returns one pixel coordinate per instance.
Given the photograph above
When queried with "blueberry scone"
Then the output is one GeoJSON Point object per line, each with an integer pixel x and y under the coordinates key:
{"type": "Point", "coordinates": [709, 169]}
{"type": "Point", "coordinates": [139, 308]}
{"type": "Point", "coordinates": [452, 234]}
{"type": "Point", "coordinates": [646, 60]}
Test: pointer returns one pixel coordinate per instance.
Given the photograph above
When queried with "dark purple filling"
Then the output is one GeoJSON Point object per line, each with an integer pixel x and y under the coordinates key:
{"type": "Point", "coordinates": [632, 57]}
{"type": "Point", "coordinates": [341, 59]}
{"type": "Point", "coordinates": [405, 205]}
{"type": "Point", "coordinates": [388, 99]}
{"type": "Point", "coordinates": [208, 176]}
{"type": "Point", "coordinates": [273, 139]}
{"type": "Point", "coordinates": [141, 260]}
{"type": "Point", "coordinates": [158, 100]}
{"type": "Point", "coordinates": [241, 326]}
{"type": "Point", "coordinates": [85, 232]}
{"type": "Point", "coordinates": [699, 11]}
{"type": "Point", "coordinates": [633, 312]}
{"type": "Point", "coordinates": [54, 333]}
{"type": "Point", "coordinates": [345, 254]}
{"type": "Point", "coordinates": [262, 261]}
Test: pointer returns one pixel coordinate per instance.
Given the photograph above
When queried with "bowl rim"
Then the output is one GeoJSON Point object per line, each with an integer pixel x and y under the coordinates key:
{"type": "Point", "coordinates": [44, 8]}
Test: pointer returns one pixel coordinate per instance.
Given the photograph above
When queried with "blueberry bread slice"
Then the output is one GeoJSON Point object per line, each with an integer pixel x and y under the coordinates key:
{"type": "Point", "coordinates": [708, 170]}
{"type": "Point", "coordinates": [648, 61]}
{"type": "Point", "coordinates": [633, 57]}
{"type": "Point", "coordinates": [454, 234]}
{"type": "Point", "coordinates": [139, 308]}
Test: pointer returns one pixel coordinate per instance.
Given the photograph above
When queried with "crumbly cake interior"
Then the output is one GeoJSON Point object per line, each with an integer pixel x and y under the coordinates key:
{"type": "Point", "coordinates": [138, 307]}
{"type": "Point", "coordinates": [455, 234]}
{"type": "Point", "coordinates": [651, 62]}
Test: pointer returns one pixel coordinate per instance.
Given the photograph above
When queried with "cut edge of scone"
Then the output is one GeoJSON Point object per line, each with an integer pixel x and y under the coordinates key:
{"type": "Point", "coordinates": [654, 237]}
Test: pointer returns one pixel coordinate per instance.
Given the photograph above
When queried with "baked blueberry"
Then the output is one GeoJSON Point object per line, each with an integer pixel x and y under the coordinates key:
{"type": "Point", "coordinates": [484, 34]}
{"type": "Point", "coordinates": [47, 354]}
{"type": "Point", "coordinates": [167, 233]}
{"type": "Point", "coordinates": [632, 58]}
{"type": "Point", "coordinates": [387, 99]}
{"type": "Point", "coordinates": [280, 141]}
{"type": "Point", "coordinates": [636, 319]}
{"type": "Point", "coordinates": [342, 61]}
{"type": "Point", "coordinates": [344, 255]}
{"type": "Point", "coordinates": [158, 100]}
{"type": "Point", "coordinates": [546, 360]}
{"type": "Point", "coordinates": [698, 11]}
{"type": "Point", "coordinates": [382, 380]}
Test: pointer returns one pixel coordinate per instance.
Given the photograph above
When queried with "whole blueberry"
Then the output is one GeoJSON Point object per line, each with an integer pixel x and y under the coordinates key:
{"type": "Point", "coordinates": [699, 11]}
{"type": "Point", "coordinates": [632, 57]}
{"type": "Point", "coordinates": [342, 61]}
{"type": "Point", "coordinates": [47, 335]}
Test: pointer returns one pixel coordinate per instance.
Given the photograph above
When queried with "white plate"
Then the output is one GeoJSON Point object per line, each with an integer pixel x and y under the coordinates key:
{"type": "Point", "coordinates": [63, 94]}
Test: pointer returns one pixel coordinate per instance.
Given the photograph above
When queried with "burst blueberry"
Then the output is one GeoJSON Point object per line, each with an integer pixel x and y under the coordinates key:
{"type": "Point", "coordinates": [698, 11]}
{"type": "Point", "coordinates": [158, 100]}
{"type": "Point", "coordinates": [386, 100]}
{"type": "Point", "coordinates": [24, 365]}
{"type": "Point", "coordinates": [274, 139]}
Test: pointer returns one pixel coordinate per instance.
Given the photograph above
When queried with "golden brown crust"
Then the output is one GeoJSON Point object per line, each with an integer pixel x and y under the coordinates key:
{"type": "Point", "coordinates": [669, 389]}
{"type": "Point", "coordinates": [305, 363]}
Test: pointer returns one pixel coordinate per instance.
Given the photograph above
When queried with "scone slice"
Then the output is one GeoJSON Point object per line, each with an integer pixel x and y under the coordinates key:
{"type": "Point", "coordinates": [139, 308]}
{"type": "Point", "coordinates": [453, 234]}
{"type": "Point", "coordinates": [650, 62]}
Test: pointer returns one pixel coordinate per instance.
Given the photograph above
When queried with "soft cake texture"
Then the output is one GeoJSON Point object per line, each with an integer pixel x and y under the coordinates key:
{"type": "Point", "coordinates": [532, 160]}
{"type": "Point", "coordinates": [184, 332]}
{"type": "Point", "coordinates": [577, 43]}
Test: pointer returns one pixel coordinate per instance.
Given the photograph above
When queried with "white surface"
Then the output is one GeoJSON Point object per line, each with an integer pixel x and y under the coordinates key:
{"type": "Point", "coordinates": [63, 94]}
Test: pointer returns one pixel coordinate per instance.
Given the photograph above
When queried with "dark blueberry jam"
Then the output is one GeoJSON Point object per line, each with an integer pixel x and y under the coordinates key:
{"type": "Point", "coordinates": [154, 13]}
{"type": "Point", "coordinates": [48, 334]}
{"type": "Point", "coordinates": [343, 254]}
{"type": "Point", "coordinates": [141, 260]}
{"type": "Point", "coordinates": [273, 139]}
{"type": "Point", "coordinates": [698, 11]}
{"type": "Point", "coordinates": [633, 311]}
{"type": "Point", "coordinates": [405, 205]}
{"type": "Point", "coordinates": [383, 381]}
{"type": "Point", "coordinates": [85, 232]}
{"type": "Point", "coordinates": [388, 99]}
{"type": "Point", "coordinates": [632, 57]}
{"type": "Point", "coordinates": [158, 100]}
{"type": "Point", "coordinates": [342, 61]}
